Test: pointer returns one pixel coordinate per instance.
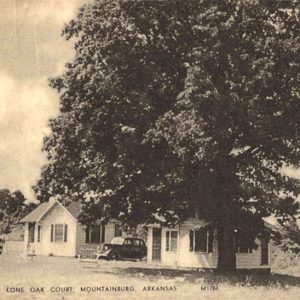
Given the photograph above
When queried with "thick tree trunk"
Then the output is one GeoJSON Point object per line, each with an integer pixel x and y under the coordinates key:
{"type": "Point", "coordinates": [225, 212]}
{"type": "Point", "coordinates": [226, 243]}
{"type": "Point", "coordinates": [226, 248]}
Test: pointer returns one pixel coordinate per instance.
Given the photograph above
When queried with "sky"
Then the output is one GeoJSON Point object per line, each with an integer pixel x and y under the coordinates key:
{"type": "Point", "coordinates": [31, 51]}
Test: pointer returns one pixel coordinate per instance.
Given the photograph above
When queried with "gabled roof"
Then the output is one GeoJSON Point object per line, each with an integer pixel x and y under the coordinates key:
{"type": "Point", "coordinates": [73, 208]}
{"type": "Point", "coordinates": [37, 212]}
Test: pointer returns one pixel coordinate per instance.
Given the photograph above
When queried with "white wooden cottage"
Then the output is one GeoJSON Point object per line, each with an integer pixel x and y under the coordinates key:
{"type": "Point", "coordinates": [54, 229]}
{"type": "Point", "coordinates": [194, 243]}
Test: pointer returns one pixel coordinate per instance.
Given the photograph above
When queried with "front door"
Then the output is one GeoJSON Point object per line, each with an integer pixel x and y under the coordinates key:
{"type": "Point", "coordinates": [31, 229]}
{"type": "Point", "coordinates": [156, 244]}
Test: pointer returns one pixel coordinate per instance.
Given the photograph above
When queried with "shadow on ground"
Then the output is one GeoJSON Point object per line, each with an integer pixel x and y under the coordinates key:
{"type": "Point", "coordinates": [248, 279]}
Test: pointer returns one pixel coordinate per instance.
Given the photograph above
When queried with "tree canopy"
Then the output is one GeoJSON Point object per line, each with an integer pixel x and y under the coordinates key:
{"type": "Point", "coordinates": [12, 209]}
{"type": "Point", "coordinates": [179, 108]}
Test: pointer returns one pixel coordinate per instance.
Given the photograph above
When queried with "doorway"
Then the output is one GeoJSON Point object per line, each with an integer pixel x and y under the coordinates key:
{"type": "Point", "coordinates": [156, 244]}
{"type": "Point", "coordinates": [264, 252]}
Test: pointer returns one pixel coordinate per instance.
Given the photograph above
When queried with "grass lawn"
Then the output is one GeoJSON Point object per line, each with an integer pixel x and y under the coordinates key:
{"type": "Point", "coordinates": [67, 278]}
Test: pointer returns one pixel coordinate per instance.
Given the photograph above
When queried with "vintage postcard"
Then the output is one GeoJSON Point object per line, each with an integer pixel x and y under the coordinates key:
{"type": "Point", "coordinates": [149, 149]}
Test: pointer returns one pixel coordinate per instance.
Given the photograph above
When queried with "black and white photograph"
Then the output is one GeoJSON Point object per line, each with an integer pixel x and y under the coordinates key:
{"type": "Point", "coordinates": [150, 149]}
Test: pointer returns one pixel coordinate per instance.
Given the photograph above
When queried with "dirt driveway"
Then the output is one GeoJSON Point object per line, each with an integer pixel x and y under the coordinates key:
{"type": "Point", "coordinates": [67, 278]}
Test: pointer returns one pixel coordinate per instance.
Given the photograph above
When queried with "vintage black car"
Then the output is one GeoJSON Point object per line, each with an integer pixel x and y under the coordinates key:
{"type": "Point", "coordinates": [123, 248]}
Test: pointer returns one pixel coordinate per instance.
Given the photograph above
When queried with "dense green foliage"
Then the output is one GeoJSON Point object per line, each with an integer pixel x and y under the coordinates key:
{"type": "Point", "coordinates": [177, 108]}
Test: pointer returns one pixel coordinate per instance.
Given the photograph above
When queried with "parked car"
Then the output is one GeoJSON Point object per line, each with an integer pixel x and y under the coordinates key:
{"type": "Point", "coordinates": [123, 248]}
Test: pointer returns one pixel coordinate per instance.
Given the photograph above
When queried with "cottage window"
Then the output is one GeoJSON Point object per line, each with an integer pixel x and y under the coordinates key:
{"type": "Point", "coordinates": [242, 242]}
{"type": "Point", "coordinates": [59, 233]}
{"type": "Point", "coordinates": [171, 240]}
{"type": "Point", "coordinates": [102, 239]}
{"type": "Point", "coordinates": [201, 240]}
{"type": "Point", "coordinates": [95, 234]}
{"type": "Point", "coordinates": [118, 231]}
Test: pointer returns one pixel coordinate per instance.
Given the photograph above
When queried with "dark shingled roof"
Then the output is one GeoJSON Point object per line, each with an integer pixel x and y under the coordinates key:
{"type": "Point", "coordinates": [73, 207]}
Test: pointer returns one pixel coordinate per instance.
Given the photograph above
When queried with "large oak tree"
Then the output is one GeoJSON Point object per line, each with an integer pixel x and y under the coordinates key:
{"type": "Point", "coordinates": [175, 108]}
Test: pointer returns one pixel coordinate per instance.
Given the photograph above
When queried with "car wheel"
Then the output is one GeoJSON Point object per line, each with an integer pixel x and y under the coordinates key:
{"type": "Point", "coordinates": [113, 256]}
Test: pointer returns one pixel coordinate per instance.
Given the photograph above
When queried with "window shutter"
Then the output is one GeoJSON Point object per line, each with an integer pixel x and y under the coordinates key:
{"type": "Point", "coordinates": [191, 240]}
{"type": "Point", "coordinates": [210, 239]}
{"type": "Point", "coordinates": [167, 240]}
{"type": "Point", "coordinates": [52, 231]}
{"type": "Point", "coordinates": [66, 233]}
{"type": "Point", "coordinates": [33, 234]}
{"type": "Point", "coordinates": [39, 234]}
{"type": "Point", "coordinates": [87, 234]}
{"type": "Point", "coordinates": [102, 234]}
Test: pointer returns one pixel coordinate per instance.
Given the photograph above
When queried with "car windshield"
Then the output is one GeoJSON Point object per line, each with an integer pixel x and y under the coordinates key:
{"type": "Point", "coordinates": [117, 241]}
